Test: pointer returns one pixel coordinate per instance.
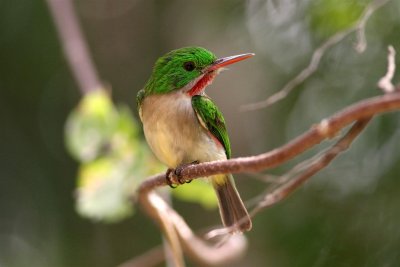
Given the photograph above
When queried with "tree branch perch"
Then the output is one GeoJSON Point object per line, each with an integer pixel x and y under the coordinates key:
{"type": "Point", "coordinates": [326, 129]}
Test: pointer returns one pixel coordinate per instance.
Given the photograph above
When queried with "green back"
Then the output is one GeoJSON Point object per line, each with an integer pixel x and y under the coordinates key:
{"type": "Point", "coordinates": [211, 118]}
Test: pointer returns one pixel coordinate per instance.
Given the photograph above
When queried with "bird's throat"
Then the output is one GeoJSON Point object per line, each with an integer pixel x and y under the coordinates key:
{"type": "Point", "coordinates": [201, 84]}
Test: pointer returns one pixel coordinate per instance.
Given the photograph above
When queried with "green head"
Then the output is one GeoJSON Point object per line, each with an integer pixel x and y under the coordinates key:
{"type": "Point", "coordinates": [178, 68]}
{"type": "Point", "coordinates": [187, 68]}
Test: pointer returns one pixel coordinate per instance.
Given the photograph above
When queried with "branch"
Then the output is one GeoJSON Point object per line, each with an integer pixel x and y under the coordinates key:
{"type": "Point", "coordinates": [303, 171]}
{"type": "Point", "coordinates": [361, 45]}
{"type": "Point", "coordinates": [316, 164]}
{"type": "Point", "coordinates": [196, 248]}
{"type": "Point", "coordinates": [385, 83]}
{"type": "Point", "coordinates": [326, 129]}
{"type": "Point", "coordinates": [74, 45]}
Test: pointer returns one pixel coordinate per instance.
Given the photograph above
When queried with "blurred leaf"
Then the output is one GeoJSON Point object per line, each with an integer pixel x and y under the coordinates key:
{"type": "Point", "coordinates": [102, 190]}
{"type": "Point", "coordinates": [198, 191]}
{"type": "Point", "coordinates": [331, 16]}
{"type": "Point", "coordinates": [89, 127]}
{"type": "Point", "coordinates": [114, 159]}
{"type": "Point", "coordinates": [124, 141]}
{"type": "Point", "coordinates": [105, 140]}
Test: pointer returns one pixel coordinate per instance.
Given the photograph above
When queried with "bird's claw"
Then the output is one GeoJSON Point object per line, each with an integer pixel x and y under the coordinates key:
{"type": "Point", "coordinates": [178, 173]}
{"type": "Point", "coordinates": [168, 178]}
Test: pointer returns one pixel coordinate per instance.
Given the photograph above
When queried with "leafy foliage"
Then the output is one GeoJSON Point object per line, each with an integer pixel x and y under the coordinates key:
{"type": "Point", "coordinates": [104, 138]}
{"type": "Point", "coordinates": [114, 160]}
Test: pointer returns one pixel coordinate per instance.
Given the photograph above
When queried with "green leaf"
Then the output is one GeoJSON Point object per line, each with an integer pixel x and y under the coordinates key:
{"type": "Point", "coordinates": [90, 125]}
{"type": "Point", "coordinates": [102, 192]}
{"type": "Point", "coordinates": [114, 159]}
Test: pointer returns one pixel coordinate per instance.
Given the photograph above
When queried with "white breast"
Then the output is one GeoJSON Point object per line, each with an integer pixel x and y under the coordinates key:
{"type": "Point", "coordinates": [174, 132]}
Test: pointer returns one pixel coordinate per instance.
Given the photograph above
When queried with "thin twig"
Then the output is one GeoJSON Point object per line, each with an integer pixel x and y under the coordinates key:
{"type": "Point", "coordinates": [385, 83]}
{"type": "Point", "coordinates": [361, 43]}
{"type": "Point", "coordinates": [358, 27]}
{"type": "Point", "coordinates": [74, 45]}
{"type": "Point", "coordinates": [317, 164]}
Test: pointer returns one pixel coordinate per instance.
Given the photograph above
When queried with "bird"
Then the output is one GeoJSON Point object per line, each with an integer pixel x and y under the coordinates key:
{"type": "Point", "coordinates": [183, 126]}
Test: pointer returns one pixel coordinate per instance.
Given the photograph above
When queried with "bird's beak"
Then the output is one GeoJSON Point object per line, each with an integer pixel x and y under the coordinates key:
{"type": "Point", "coordinates": [225, 61]}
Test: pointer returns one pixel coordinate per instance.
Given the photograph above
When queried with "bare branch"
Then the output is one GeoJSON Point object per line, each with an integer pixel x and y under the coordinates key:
{"type": "Point", "coordinates": [317, 163]}
{"type": "Point", "coordinates": [313, 65]}
{"type": "Point", "coordinates": [74, 45]}
{"type": "Point", "coordinates": [385, 83]}
{"type": "Point", "coordinates": [174, 251]}
{"type": "Point", "coordinates": [326, 129]}
{"type": "Point", "coordinates": [196, 248]}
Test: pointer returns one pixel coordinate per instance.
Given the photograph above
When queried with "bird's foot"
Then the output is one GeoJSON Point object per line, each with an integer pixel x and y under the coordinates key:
{"type": "Point", "coordinates": [179, 169]}
{"type": "Point", "coordinates": [178, 174]}
{"type": "Point", "coordinates": [168, 178]}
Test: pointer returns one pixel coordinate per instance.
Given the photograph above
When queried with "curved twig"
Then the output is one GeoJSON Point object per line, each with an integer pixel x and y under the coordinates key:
{"type": "Point", "coordinates": [195, 247]}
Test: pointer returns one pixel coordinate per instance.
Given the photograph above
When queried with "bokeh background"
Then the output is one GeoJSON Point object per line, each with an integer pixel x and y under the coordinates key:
{"type": "Point", "coordinates": [348, 215]}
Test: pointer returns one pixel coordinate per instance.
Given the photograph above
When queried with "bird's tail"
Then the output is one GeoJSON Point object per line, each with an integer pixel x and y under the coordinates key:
{"type": "Point", "coordinates": [231, 207]}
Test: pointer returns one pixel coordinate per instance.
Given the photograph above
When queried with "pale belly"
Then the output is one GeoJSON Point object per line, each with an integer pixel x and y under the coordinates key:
{"type": "Point", "coordinates": [174, 133]}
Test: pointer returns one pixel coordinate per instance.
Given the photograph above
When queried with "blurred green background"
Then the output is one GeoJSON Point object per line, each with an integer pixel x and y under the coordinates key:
{"type": "Point", "coordinates": [348, 215]}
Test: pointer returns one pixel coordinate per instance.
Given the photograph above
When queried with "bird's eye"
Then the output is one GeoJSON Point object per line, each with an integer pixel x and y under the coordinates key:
{"type": "Point", "coordinates": [189, 65]}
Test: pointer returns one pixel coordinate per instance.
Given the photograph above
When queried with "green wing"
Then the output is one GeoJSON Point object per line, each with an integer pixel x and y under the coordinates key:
{"type": "Point", "coordinates": [211, 118]}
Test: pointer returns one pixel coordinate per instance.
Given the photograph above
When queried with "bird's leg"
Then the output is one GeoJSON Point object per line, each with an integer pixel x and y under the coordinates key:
{"type": "Point", "coordinates": [178, 173]}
